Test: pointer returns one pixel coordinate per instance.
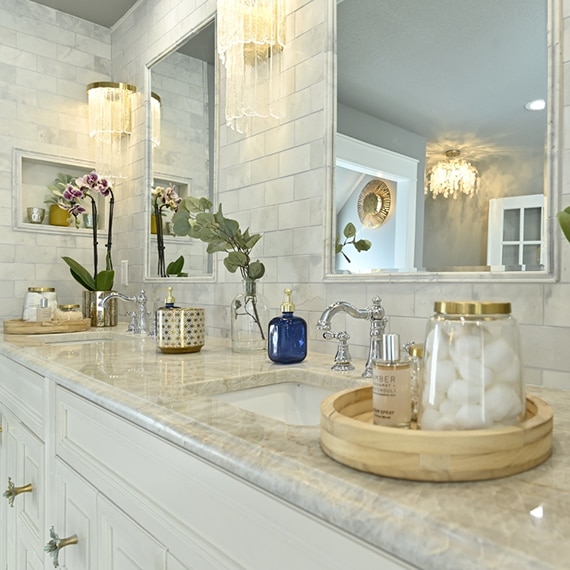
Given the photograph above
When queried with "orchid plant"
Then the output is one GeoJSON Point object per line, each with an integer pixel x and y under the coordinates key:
{"type": "Point", "coordinates": [87, 188]}
{"type": "Point", "coordinates": [163, 198]}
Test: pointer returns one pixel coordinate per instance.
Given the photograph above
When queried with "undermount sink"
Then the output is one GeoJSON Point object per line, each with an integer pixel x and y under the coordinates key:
{"type": "Point", "coordinates": [295, 403]}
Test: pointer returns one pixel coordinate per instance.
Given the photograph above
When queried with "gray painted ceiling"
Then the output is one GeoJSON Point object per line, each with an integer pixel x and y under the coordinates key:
{"type": "Point", "coordinates": [408, 62]}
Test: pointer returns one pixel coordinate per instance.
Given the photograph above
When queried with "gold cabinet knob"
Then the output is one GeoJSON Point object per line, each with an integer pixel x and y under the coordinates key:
{"type": "Point", "coordinates": [56, 544]}
{"type": "Point", "coordinates": [12, 491]}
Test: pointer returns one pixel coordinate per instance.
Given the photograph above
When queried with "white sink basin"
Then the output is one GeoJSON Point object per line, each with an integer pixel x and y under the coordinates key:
{"type": "Point", "coordinates": [294, 403]}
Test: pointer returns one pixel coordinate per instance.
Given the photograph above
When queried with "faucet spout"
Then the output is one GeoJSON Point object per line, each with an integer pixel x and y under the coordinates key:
{"type": "Point", "coordinates": [141, 315]}
{"type": "Point", "coordinates": [324, 323]}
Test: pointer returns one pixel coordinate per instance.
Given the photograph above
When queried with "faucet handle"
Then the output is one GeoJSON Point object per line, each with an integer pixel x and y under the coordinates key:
{"type": "Point", "coordinates": [342, 357]}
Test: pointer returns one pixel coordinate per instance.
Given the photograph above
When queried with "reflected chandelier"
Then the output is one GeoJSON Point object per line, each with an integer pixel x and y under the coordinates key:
{"type": "Point", "coordinates": [109, 125]}
{"type": "Point", "coordinates": [452, 176]}
{"type": "Point", "coordinates": [250, 35]}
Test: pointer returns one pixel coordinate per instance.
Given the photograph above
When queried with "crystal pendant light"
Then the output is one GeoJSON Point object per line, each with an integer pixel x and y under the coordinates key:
{"type": "Point", "coordinates": [452, 177]}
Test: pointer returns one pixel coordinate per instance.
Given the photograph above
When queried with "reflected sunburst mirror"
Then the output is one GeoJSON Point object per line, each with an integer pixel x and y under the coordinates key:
{"type": "Point", "coordinates": [374, 203]}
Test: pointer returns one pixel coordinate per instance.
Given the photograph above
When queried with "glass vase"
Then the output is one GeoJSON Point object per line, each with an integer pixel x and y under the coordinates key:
{"type": "Point", "coordinates": [249, 319]}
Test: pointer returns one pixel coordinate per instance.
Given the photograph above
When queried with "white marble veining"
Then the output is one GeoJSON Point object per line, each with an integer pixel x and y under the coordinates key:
{"type": "Point", "coordinates": [518, 522]}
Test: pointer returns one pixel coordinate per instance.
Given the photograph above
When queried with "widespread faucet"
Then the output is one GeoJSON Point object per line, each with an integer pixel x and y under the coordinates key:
{"type": "Point", "coordinates": [140, 317]}
{"type": "Point", "coordinates": [378, 320]}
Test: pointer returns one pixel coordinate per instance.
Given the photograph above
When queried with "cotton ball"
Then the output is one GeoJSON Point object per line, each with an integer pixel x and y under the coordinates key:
{"type": "Point", "coordinates": [429, 418]}
{"type": "Point", "coordinates": [438, 342]}
{"type": "Point", "coordinates": [446, 423]}
{"type": "Point", "coordinates": [461, 392]}
{"type": "Point", "coordinates": [441, 373]}
{"type": "Point", "coordinates": [512, 374]}
{"type": "Point", "coordinates": [432, 397]}
{"type": "Point", "coordinates": [448, 408]}
{"type": "Point", "coordinates": [467, 345]}
{"type": "Point", "coordinates": [499, 354]}
{"type": "Point", "coordinates": [471, 417]}
{"type": "Point", "coordinates": [473, 371]}
{"type": "Point", "coordinates": [502, 402]}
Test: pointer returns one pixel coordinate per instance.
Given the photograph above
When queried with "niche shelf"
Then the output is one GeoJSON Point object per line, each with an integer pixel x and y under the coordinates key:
{"type": "Point", "coordinates": [32, 173]}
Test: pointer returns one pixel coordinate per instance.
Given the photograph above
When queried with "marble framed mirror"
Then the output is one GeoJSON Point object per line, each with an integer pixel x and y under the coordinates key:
{"type": "Point", "coordinates": [416, 79]}
{"type": "Point", "coordinates": [183, 142]}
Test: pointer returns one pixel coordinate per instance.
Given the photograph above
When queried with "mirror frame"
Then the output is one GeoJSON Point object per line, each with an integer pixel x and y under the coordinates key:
{"type": "Point", "coordinates": [148, 155]}
{"type": "Point", "coordinates": [551, 177]}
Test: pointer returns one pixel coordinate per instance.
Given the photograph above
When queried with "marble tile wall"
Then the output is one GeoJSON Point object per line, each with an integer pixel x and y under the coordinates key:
{"type": "Point", "coordinates": [272, 180]}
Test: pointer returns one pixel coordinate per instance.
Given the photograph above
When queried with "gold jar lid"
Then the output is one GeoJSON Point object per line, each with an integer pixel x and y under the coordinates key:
{"type": "Point", "coordinates": [68, 307]}
{"type": "Point", "coordinates": [472, 307]}
{"type": "Point", "coordinates": [416, 350]}
{"type": "Point", "coordinates": [41, 289]}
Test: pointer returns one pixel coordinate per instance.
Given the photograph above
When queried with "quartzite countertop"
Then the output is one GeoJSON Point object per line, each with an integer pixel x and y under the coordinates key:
{"type": "Point", "coordinates": [520, 522]}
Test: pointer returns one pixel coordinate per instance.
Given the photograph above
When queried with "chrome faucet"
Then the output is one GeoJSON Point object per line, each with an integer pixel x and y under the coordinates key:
{"type": "Point", "coordinates": [378, 320]}
{"type": "Point", "coordinates": [140, 318]}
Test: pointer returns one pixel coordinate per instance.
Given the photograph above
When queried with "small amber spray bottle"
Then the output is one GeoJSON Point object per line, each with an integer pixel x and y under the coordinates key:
{"type": "Point", "coordinates": [391, 386]}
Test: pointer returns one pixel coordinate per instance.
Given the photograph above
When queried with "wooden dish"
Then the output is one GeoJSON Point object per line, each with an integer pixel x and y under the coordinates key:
{"type": "Point", "coordinates": [349, 437]}
{"type": "Point", "coordinates": [18, 326]}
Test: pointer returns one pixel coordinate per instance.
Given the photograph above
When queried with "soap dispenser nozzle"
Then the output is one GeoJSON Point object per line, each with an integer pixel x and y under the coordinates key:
{"type": "Point", "coordinates": [287, 306]}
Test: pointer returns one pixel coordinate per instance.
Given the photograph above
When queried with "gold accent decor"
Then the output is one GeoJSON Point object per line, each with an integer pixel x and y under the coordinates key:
{"type": "Point", "coordinates": [374, 203]}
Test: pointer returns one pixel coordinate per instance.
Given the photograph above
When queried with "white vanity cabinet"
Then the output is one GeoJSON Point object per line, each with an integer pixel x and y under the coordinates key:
{"type": "Point", "coordinates": [134, 500]}
{"type": "Point", "coordinates": [22, 472]}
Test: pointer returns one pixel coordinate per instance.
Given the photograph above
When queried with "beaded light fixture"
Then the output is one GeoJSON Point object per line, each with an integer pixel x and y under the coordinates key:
{"type": "Point", "coordinates": [452, 177]}
{"type": "Point", "coordinates": [250, 35]}
{"type": "Point", "coordinates": [110, 125]}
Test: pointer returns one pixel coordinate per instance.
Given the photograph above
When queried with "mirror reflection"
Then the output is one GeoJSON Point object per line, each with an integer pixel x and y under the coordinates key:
{"type": "Point", "coordinates": [417, 80]}
{"type": "Point", "coordinates": [183, 135]}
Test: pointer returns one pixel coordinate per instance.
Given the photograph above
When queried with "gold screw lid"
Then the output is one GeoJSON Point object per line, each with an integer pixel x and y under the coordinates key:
{"type": "Point", "coordinates": [287, 306]}
{"type": "Point", "coordinates": [416, 350]}
{"type": "Point", "coordinates": [472, 307]}
{"type": "Point", "coordinates": [41, 289]}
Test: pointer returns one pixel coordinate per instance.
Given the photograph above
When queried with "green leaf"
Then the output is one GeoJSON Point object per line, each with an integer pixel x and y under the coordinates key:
{"type": "Point", "coordinates": [564, 221]}
{"type": "Point", "coordinates": [232, 268]}
{"type": "Point", "coordinates": [218, 245]}
{"type": "Point", "coordinates": [80, 274]}
{"type": "Point", "coordinates": [256, 270]}
{"type": "Point", "coordinates": [362, 245]}
{"type": "Point", "coordinates": [104, 280]}
{"type": "Point", "coordinates": [236, 259]}
{"type": "Point", "coordinates": [349, 230]}
{"type": "Point", "coordinates": [175, 267]}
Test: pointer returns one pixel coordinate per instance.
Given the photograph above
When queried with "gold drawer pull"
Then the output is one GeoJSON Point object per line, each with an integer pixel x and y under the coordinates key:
{"type": "Point", "coordinates": [11, 492]}
{"type": "Point", "coordinates": [56, 544]}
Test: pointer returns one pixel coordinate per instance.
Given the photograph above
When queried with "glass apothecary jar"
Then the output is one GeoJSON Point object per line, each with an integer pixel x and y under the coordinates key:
{"type": "Point", "coordinates": [472, 377]}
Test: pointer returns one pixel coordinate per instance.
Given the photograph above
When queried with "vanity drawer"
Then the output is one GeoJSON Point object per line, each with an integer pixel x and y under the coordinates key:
{"type": "Point", "coordinates": [22, 392]}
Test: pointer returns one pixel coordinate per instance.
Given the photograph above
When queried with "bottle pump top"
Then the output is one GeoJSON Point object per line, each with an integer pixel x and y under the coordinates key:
{"type": "Point", "coordinates": [169, 298]}
{"type": "Point", "coordinates": [287, 306]}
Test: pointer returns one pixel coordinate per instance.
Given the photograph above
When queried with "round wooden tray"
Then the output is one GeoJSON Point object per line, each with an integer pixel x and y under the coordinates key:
{"type": "Point", "coordinates": [349, 436]}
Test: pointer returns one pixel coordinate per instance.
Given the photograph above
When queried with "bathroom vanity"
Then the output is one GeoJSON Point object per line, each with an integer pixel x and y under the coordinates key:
{"type": "Point", "coordinates": [139, 457]}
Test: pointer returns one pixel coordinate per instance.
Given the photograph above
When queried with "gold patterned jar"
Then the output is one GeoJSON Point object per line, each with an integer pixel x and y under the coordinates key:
{"type": "Point", "coordinates": [180, 329]}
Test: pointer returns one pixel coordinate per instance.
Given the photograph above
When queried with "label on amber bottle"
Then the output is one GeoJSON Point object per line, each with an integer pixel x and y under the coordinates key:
{"type": "Point", "coordinates": [391, 394]}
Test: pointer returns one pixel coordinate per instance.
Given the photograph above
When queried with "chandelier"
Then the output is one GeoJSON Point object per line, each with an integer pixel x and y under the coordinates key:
{"type": "Point", "coordinates": [250, 35]}
{"type": "Point", "coordinates": [109, 125]}
{"type": "Point", "coordinates": [452, 176]}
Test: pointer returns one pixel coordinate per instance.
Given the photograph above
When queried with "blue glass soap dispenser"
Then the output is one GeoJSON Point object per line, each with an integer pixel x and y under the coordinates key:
{"type": "Point", "coordinates": [287, 338]}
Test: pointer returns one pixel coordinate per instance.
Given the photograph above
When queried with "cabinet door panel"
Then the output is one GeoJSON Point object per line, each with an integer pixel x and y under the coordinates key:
{"type": "Point", "coordinates": [123, 544]}
{"type": "Point", "coordinates": [76, 514]}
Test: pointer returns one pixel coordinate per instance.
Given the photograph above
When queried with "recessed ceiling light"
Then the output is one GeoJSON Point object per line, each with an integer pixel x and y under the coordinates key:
{"type": "Point", "coordinates": [536, 105]}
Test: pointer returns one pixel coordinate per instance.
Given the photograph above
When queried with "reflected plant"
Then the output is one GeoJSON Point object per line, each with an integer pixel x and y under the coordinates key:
{"type": "Point", "coordinates": [163, 198]}
{"type": "Point", "coordinates": [349, 234]}
{"type": "Point", "coordinates": [564, 221]}
{"type": "Point", "coordinates": [174, 268]}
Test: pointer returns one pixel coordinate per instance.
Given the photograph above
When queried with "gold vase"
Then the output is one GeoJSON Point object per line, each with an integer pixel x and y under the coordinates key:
{"type": "Point", "coordinates": [58, 216]}
{"type": "Point", "coordinates": [100, 316]}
